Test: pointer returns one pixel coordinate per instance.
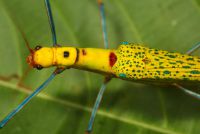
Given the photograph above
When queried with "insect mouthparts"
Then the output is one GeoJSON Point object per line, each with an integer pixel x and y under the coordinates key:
{"type": "Point", "coordinates": [29, 60]}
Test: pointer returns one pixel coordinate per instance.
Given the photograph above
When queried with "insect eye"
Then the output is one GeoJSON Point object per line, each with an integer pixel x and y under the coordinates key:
{"type": "Point", "coordinates": [38, 47]}
{"type": "Point", "coordinates": [39, 67]}
{"type": "Point", "coordinates": [66, 54]}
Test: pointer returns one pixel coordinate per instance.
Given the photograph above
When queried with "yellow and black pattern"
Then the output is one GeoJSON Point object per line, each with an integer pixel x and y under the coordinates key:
{"type": "Point", "coordinates": [135, 62]}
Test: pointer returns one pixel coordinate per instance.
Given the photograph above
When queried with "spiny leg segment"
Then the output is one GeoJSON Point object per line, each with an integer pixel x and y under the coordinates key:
{"type": "Point", "coordinates": [107, 79]}
{"type": "Point", "coordinates": [187, 91]}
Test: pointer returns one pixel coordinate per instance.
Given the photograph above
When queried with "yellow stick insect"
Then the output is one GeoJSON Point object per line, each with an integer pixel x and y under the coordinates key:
{"type": "Point", "coordinates": [128, 62]}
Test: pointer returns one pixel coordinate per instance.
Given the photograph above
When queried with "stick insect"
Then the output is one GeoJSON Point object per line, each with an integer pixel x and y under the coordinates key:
{"type": "Point", "coordinates": [128, 62]}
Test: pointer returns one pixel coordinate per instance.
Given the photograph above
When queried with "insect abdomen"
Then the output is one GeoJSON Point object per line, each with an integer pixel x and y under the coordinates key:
{"type": "Point", "coordinates": [169, 66]}
{"type": "Point", "coordinates": [140, 63]}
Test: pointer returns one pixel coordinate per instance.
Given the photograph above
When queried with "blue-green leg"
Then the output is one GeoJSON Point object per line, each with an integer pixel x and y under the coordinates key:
{"type": "Point", "coordinates": [193, 49]}
{"type": "Point", "coordinates": [96, 106]}
{"type": "Point", "coordinates": [25, 101]}
{"type": "Point", "coordinates": [187, 91]}
{"type": "Point", "coordinates": [51, 22]}
{"type": "Point", "coordinates": [103, 23]}
{"type": "Point", "coordinates": [107, 79]}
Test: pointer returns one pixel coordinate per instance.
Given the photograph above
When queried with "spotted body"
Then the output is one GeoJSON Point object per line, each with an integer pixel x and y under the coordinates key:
{"type": "Point", "coordinates": [128, 62]}
{"type": "Point", "coordinates": [135, 62]}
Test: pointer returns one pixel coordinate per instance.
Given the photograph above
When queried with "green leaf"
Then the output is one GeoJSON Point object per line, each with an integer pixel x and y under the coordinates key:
{"type": "Point", "coordinates": [65, 105]}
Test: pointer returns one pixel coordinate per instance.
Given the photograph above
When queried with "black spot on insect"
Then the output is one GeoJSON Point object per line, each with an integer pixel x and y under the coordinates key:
{"type": "Point", "coordinates": [184, 76]}
{"type": "Point", "coordinates": [66, 54]}
{"type": "Point", "coordinates": [156, 52]}
{"type": "Point", "coordinates": [38, 47]}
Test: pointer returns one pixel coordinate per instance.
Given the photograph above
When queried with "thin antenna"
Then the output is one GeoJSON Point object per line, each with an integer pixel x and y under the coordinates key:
{"type": "Point", "coordinates": [22, 33]}
{"type": "Point", "coordinates": [26, 41]}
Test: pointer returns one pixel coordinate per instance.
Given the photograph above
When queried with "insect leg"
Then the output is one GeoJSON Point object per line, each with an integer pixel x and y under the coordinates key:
{"type": "Point", "coordinates": [196, 47]}
{"type": "Point", "coordinates": [26, 100]}
{"type": "Point", "coordinates": [103, 86]}
{"type": "Point", "coordinates": [103, 23]}
{"type": "Point", "coordinates": [51, 22]}
{"type": "Point", "coordinates": [96, 105]}
{"type": "Point", "coordinates": [187, 91]}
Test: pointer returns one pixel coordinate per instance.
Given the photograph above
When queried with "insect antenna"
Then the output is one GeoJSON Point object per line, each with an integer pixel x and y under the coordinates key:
{"type": "Point", "coordinates": [26, 41]}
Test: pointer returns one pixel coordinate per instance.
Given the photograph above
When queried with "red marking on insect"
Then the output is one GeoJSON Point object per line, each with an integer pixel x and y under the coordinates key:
{"type": "Point", "coordinates": [146, 60]}
{"type": "Point", "coordinates": [84, 52]}
{"type": "Point", "coordinates": [112, 59]}
{"type": "Point", "coordinates": [30, 59]}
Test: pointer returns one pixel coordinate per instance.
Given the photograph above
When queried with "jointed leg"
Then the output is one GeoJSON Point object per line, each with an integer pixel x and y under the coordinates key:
{"type": "Point", "coordinates": [107, 79]}
{"type": "Point", "coordinates": [187, 91]}
{"type": "Point", "coordinates": [25, 101]}
{"type": "Point", "coordinates": [51, 22]}
{"type": "Point", "coordinates": [103, 23]}
{"type": "Point", "coordinates": [96, 105]}
{"type": "Point", "coordinates": [192, 50]}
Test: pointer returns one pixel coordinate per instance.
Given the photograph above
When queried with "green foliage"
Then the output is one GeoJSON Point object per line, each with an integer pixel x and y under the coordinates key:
{"type": "Point", "coordinates": [65, 105]}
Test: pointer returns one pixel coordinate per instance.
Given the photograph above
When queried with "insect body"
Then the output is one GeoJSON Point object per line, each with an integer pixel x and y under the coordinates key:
{"type": "Point", "coordinates": [142, 63]}
{"type": "Point", "coordinates": [129, 62]}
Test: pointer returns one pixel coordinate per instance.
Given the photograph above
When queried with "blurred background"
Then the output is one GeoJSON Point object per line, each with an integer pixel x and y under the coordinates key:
{"type": "Point", "coordinates": [64, 106]}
